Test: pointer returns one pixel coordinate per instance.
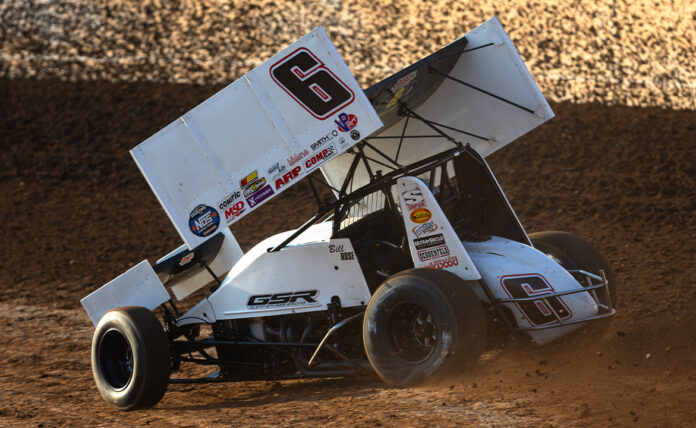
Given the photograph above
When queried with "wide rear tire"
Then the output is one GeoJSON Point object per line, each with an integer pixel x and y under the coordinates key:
{"type": "Point", "coordinates": [130, 358]}
{"type": "Point", "coordinates": [421, 324]}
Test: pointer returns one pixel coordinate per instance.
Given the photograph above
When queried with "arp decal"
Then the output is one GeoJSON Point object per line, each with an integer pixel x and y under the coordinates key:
{"type": "Point", "coordinates": [433, 253]}
{"type": "Point", "coordinates": [531, 285]}
{"type": "Point", "coordinates": [444, 263]}
{"type": "Point", "coordinates": [313, 85]}
{"type": "Point", "coordinates": [424, 229]}
{"type": "Point", "coordinates": [346, 122]}
{"type": "Point", "coordinates": [413, 198]}
{"type": "Point", "coordinates": [420, 215]}
{"type": "Point", "coordinates": [287, 177]}
{"type": "Point", "coordinates": [320, 157]}
{"type": "Point", "coordinates": [203, 220]}
{"type": "Point", "coordinates": [429, 242]}
{"type": "Point", "coordinates": [277, 300]}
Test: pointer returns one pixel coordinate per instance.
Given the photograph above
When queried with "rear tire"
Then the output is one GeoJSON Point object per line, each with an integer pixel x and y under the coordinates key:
{"type": "Point", "coordinates": [421, 324]}
{"type": "Point", "coordinates": [130, 358]}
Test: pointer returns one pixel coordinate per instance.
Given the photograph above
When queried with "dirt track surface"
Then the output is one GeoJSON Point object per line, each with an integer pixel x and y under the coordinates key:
{"type": "Point", "coordinates": [631, 52]}
{"type": "Point", "coordinates": [76, 213]}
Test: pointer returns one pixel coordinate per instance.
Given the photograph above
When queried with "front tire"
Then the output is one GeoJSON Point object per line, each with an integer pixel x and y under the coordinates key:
{"type": "Point", "coordinates": [130, 358]}
{"type": "Point", "coordinates": [421, 324]}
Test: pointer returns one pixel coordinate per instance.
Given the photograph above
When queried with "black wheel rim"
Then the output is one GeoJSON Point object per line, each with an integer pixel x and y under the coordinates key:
{"type": "Point", "coordinates": [116, 359]}
{"type": "Point", "coordinates": [413, 332]}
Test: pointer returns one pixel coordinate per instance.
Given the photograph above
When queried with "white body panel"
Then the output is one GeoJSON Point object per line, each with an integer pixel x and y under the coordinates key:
{"type": "Point", "coordinates": [138, 286]}
{"type": "Point", "coordinates": [431, 238]}
{"type": "Point", "coordinates": [497, 69]}
{"type": "Point", "coordinates": [252, 140]}
{"type": "Point", "coordinates": [312, 262]}
{"type": "Point", "coordinates": [187, 283]}
{"type": "Point", "coordinates": [501, 261]}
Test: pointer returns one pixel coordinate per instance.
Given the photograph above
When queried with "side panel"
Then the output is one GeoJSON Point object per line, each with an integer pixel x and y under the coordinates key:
{"type": "Point", "coordinates": [296, 279]}
{"type": "Point", "coordinates": [138, 286]}
{"type": "Point", "coordinates": [431, 238]}
{"type": "Point", "coordinates": [514, 270]}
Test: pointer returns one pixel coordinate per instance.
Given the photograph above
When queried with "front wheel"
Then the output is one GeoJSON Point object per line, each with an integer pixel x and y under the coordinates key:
{"type": "Point", "coordinates": [130, 358]}
{"type": "Point", "coordinates": [422, 323]}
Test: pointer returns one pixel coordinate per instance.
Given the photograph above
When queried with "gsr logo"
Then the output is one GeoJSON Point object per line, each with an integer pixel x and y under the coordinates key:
{"type": "Point", "coordinates": [282, 299]}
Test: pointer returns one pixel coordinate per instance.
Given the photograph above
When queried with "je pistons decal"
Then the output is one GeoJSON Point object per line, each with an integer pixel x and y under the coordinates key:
{"type": "Point", "coordinates": [279, 300]}
{"type": "Point", "coordinates": [203, 220]}
{"type": "Point", "coordinates": [420, 215]}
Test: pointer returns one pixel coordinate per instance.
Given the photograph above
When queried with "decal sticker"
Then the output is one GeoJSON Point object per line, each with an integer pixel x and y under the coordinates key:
{"type": "Point", "coordinates": [276, 170]}
{"type": "Point", "coordinates": [311, 84]}
{"type": "Point", "coordinates": [335, 248]}
{"type": "Point", "coordinates": [348, 255]}
{"type": "Point", "coordinates": [429, 242]}
{"type": "Point", "coordinates": [424, 229]}
{"type": "Point", "coordinates": [232, 206]}
{"type": "Point", "coordinates": [345, 255]}
{"type": "Point", "coordinates": [288, 177]}
{"type": "Point", "coordinates": [252, 183]}
{"type": "Point", "coordinates": [444, 263]}
{"type": "Point", "coordinates": [277, 300]}
{"type": "Point", "coordinates": [433, 253]}
{"type": "Point", "coordinates": [536, 311]}
{"type": "Point", "coordinates": [420, 215]}
{"type": "Point", "coordinates": [413, 198]}
{"type": "Point", "coordinates": [355, 135]}
{"type": "Point", "coordinates": [203, 220]}
{"type": "Point", "coordinates": [320, 157]}
{"type": "Point", "coordinates": [260, 196]}
{"type": "Point", "coordinates": [298, 157]}
{"type": "Point", "coordinates": [186, 259]}
{"type": "Point", "coordinates": [404, 81]}
{"type": "Point", "coordinates": [346, 122]}
{"type": "Point", "coordinates": [323, 140]}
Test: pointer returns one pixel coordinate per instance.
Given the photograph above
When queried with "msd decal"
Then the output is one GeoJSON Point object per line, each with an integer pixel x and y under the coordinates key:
{"type": "Point", "coordinates": [346, 122]}
{"type": "Point", "coordinates": [321, 156]}
{"type": "Point", "coordinates": [203, 220]}
{"type": "Point", "coordinates": [287, 177]}
{"type": "Point", "coordinates": [234, 211]}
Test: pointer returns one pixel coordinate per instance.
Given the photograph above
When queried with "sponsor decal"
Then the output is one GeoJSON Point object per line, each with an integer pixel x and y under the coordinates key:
{"type": "Point", "coordinates": [287, 177]}
{"type": "Point", "coordinates": [537, 312]}
{"type": "Point", "coordinates": [404, 81]}
{"type": "Point", "coordinates": [444, 263]}
{"type": "Point", "coordinates": [335, 248]}
{"type": "Point", "coordinates": [433, 253]}
{"type": "Point", "coordinates": [345, 255]}
{"type": "Point", "coordinates": [230, 199]}
{"type": "Point", "coordinates": [420, 215]}
{"type": "Point", "coordinates": [320, 157]}
{"type": "Point", "coordinates": [233, 211]}
{"type": "Point", "coordinates": [277, 300]}
{"type": "Point", "coordinates": [349, 255]}
{"type": "Point", "coordinates": [424, 229]}
{"type": "Point", "coordinates": [413, 198]}
{"type": "Point", "coordinates": [355, 135]}
{"type": "Point", "coordinates": [260, 196]}
{"type": "Point", "coordinates": [346, 122]}
{"type": "Point", "coordinates": [276, 170]}
{"type": "Point", "coordinates": [323, 140]}
{"type": "Point", "coordinates": [429, 241]}
{"type": "Point", "coordinates": [298, 157]}
{"type": "Point", "coordinates": [203, 220]}
{"type": "Point", "coordinates": [186, 259]}
{"type": "Point", "coordinates": [342, 142]}
{"type": "Point", "coordinates": [252, 184]}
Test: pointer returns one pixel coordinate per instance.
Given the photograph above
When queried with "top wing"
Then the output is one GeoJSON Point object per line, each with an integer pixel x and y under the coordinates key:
{"type": "Point", "coordinates": [256, 137]}
{"type": "Point", "coordinates": [476, 91]}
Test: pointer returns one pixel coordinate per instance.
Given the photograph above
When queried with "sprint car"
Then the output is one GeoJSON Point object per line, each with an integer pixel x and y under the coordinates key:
{"type": "Point", "coordinates": [394, 274]}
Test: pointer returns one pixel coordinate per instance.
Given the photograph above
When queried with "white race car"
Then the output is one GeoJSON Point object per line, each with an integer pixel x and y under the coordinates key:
{"type": "Point", "coordinates": [392, 275]}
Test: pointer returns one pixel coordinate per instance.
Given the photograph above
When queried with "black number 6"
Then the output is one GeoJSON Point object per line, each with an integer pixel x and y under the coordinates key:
{"type": "Point", "coordinates": [302, 75]}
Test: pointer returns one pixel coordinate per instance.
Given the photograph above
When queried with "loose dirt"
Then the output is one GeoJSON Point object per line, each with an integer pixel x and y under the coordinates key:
{"type": "Point", "coordinates": [76, 213]}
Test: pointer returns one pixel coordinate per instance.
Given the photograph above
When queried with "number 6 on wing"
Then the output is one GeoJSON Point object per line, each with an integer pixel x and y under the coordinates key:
{"type": "Point", "coordinates": [309, 82]}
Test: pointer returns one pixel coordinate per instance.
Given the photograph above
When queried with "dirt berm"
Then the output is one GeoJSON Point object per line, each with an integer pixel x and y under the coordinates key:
{"type": "Point", "coordinates": [76, 213]}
